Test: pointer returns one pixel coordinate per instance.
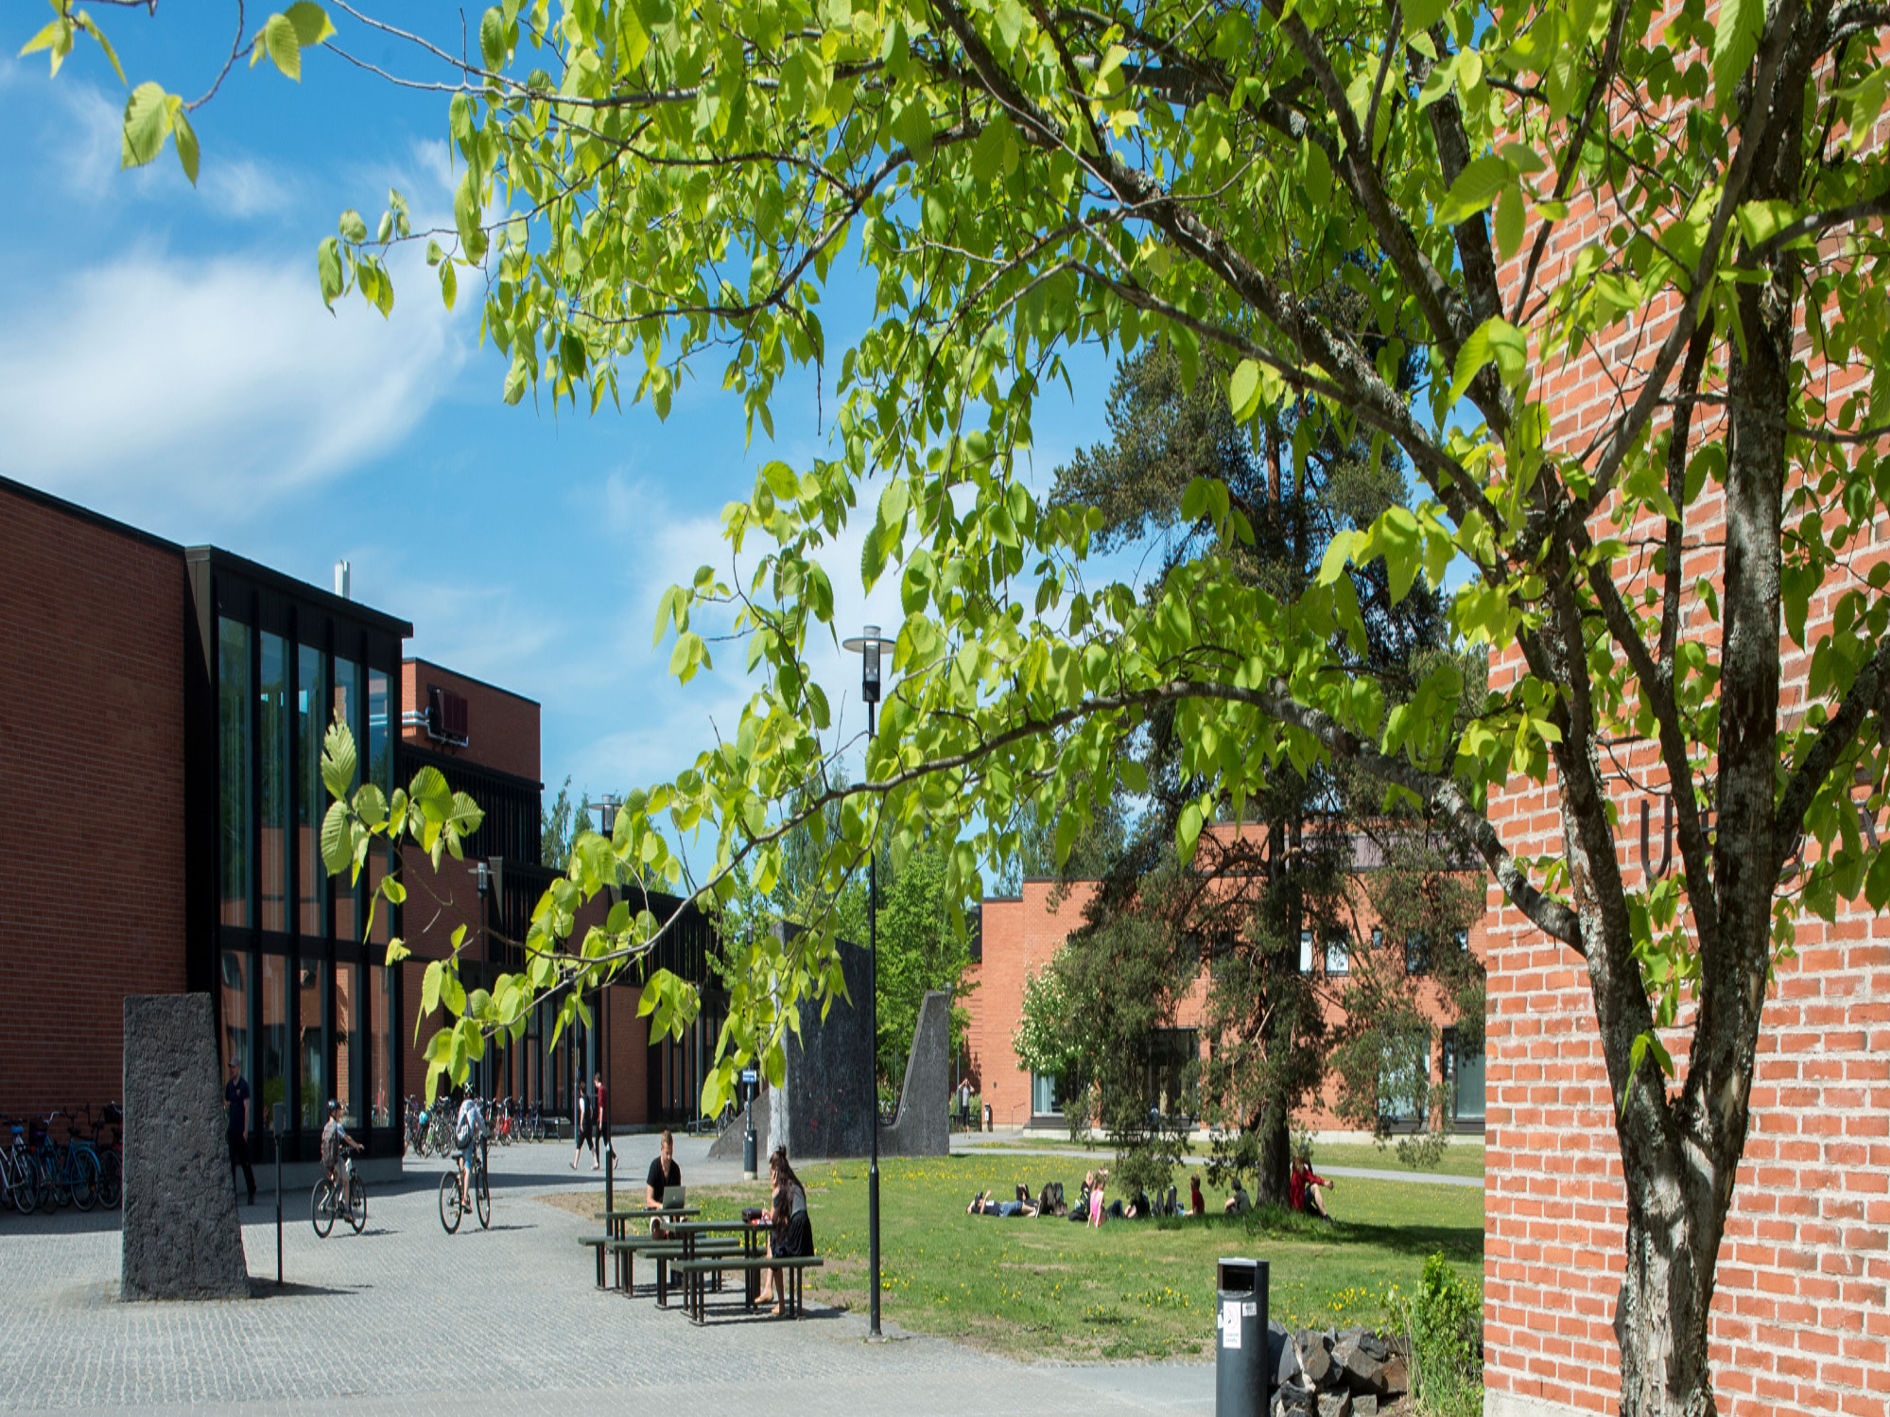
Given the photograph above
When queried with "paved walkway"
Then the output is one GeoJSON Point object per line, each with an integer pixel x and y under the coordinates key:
{"type": "Point", "coordinates": [407, 1319]}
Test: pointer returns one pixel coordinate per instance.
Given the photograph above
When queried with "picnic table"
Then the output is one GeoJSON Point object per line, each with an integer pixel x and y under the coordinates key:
{"type": "Point", "coordinates": [618, 1240]}
{"type": "Point", "coordinates": [704, 1256]}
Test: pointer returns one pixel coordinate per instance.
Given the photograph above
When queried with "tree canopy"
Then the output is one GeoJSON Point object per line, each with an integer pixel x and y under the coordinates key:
{"type": "Point", "coordinates": [1686, 202]}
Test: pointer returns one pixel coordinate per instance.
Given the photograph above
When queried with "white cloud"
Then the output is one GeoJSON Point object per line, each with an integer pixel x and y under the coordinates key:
{"type": "Point", "coordinates": [183, 394]}
{"type": "Point", "coordinates": [243, 189]}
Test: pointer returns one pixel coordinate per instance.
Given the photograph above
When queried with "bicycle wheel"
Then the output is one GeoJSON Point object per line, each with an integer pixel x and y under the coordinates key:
{"type": "Point", "coordinates": [111, 1181]}
{"type": "Point", "coordinates": [449, 1201]}
{"type": "Point", "coordinates": [357, 1205]}
{"type": "Point", "coordinates": [20, 1188]}
{"type": "Point", "coordinates": [482, 1198]}
{"type": "Point", "coordinates": [84, 1168]}
{"type": "Point", "coordinates": [321, 1208]}
{"type": "Point", "coordinates": [53, 1190]}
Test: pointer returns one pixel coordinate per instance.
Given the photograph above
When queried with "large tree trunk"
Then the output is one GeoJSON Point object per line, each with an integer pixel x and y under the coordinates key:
{"type": "Point", "coordinates": [1662, 1317]}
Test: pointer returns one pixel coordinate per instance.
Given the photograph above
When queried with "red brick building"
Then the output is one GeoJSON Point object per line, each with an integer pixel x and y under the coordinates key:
{"type": "Point", "coordinates": [1019, 937]}
{"type": "Point", "coordinates": [161, 717]}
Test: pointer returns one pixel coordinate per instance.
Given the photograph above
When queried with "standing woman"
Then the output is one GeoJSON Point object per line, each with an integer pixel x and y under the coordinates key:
{"type": "Point", "coordinates": [793, 1233]}
{"type": "Point", "coordinates": [580, 1122]}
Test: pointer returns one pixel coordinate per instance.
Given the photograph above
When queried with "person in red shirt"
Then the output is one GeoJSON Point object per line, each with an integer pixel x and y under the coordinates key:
{"type": "Point", "coordinates": [1196, 1202]}
{"type": "Point", "coordinates": [1302, 1188]}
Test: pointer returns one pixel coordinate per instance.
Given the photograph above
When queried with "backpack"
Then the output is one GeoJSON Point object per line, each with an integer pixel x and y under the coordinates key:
{"type": "Point", "coordinates": [468, 1130]}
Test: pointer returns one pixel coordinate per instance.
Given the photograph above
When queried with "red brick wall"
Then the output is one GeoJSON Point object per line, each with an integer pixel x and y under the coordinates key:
{"type": "Point", "coordinates": [92, 625]}
{"type": "Point", "coordinates": [1019, 938]}
{"type": "Point", "coordinates": [1801, 1319]}
{"type": "Point", "coordinates": [502, 727]}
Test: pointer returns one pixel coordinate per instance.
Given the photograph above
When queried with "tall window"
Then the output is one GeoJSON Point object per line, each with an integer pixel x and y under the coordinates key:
{"type": "Point", "coordinates": [272, 742]}
{"type": "Point", "coordinates": [1338, 954]}
{"type": "Point", "coordinates": [381, 1049]}
{"type": "Point", "coordinates": [237, 985]}
{"type": "Point", "coordinates": [350, 1056]}
{"type": "Point", "coordinates": [1463, 1071]}
{"type": "Point", "coordinates": [310, 723]}
{"type": "Point", "coordinates": [311, 1048]}
{"type": "Point", "coordinates": [271, 1083]}
{"type": "Point", "coordinates": [236, 807]}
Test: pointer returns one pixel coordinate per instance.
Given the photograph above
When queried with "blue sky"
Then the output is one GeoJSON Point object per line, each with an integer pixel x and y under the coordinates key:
{"type": "Point", "coordinates": [165, 359]}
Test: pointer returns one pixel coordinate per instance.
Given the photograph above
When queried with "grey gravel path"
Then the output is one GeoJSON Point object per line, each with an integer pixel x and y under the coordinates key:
{"type": "Point", "coordinates": [407, 1319]}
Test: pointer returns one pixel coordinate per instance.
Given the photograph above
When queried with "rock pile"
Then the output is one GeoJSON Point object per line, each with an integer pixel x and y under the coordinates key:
{"type": "Point", "coordinates": [1333, 1372]}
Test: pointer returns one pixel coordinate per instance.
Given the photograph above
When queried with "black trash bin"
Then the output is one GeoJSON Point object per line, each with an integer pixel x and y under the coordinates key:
{"type": "Point", "coordinates": [1240, 1348]}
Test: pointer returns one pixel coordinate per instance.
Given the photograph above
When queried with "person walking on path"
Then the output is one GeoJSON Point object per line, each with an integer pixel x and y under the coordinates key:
{"type": "Point", "coordinates": [236, 1097]}
{"type": "Point", "coordinates": [600, 1134]}
{"type": "Point", "coordinates": [581, 1123]}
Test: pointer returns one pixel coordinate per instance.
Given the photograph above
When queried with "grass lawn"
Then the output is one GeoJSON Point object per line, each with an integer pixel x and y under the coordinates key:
{"type": "Point", "coordinates": [1460, 1158]}
{"type": "Point", "coordinates": [1134, 1289]}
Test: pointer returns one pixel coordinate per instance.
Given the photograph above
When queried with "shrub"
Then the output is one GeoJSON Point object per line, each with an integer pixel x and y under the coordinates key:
{"type": "Point", "coordinates": [1443, 1325]}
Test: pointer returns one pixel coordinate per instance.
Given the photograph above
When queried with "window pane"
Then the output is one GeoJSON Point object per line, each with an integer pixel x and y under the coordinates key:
{"type": "Point", "coordinates": [349, 708]}
{"type": "Point", "coordinates": [380, 755]}
{"type": "Point", "coordinates": [237, 984]}
{"type": "Point", "coordinates": [272, 734]}
{"type": "Point", "coordinates": [235, 806]}
{"type": "Point", "coordinates": [350, 1056]}
{"type": "Point", "coordinates": [1305, 952]}
{"type": "Point", "coordinates": [311, 1052]}
{"type": "Point", "coordinates": [310, 724]}
{"type": "Point", "coordinates": [1043, 1095]}
{"type": "Point", "coordinates": [273, 1065]}
{"type": "Point", "coordinates": [1467, 1101]}
{"type": "Point", "coordinates": [1338, 955]}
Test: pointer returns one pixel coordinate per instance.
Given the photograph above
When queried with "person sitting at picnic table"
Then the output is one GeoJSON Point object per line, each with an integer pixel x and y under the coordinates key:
{"type": "Point", "coordinates": [793, 1235]}
{"type": "Point", "coordinates": [1302, 1188]}
{"type": "Point", "coordinates": [1238, 1203]}
{"type": "Point", "coordinates": [1197, 1203]}
{"type": "Point", "coordinates": [665, 1175]}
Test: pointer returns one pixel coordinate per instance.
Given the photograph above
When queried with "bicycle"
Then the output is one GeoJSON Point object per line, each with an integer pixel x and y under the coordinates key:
{"type": "Point", "coordinates": [452, 1208]}
{"type": "Point", "coordinates": [70, 1172]}
{"type": "Point", "coordinates": [347, 1200]}
{"type": "Point", "coordinates": [18, 1182]}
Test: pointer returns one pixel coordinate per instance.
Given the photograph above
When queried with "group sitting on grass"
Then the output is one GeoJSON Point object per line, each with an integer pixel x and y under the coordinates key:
{"type": "Point", "coordinates": [1093, 1205]}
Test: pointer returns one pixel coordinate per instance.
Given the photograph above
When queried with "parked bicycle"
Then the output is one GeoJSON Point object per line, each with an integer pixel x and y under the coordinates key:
{"type": "Point", "coordinates": [68, 1171]}
{"type": "Point", "coordinates": [346, 1198]}
{"type": "Point", "coordinates": [452, 1207]}
{"type": "Point", "coordinates": [19, 1178]}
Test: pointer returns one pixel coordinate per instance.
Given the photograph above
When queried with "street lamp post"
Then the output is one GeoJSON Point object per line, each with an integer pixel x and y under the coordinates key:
{"type": "Point", "coordinates": [869, 646]}
{"type": "Point", "coordinates": [607, 817]}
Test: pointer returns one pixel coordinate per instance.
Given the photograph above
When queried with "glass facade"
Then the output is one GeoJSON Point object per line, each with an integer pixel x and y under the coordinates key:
{"type": "Point", "coordinates": [236, 803]}
{"type": "Point", "coordinates": [304, 1004]}
{"type": "Point", "coordinates": [272, 745]}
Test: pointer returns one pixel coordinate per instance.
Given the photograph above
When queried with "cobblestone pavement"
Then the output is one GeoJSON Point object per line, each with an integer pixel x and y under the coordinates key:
{"type": "Point", "coordinates": [407, 1319]}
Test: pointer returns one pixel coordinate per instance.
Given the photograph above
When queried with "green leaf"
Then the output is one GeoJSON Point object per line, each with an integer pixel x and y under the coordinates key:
{"type": "Point", "coordinates": [310, 22]}
{"type": "Point", "coordinates": [328, 267]}
{"type": "Point", "coordinates": [147, 125]}
{"type": "Point", "coordinates": [1509, 221]}
{"type": "Point", "coordinates": [338, 760]}
{"type": "Point", "coordinates": [1735, 41]}
{"type": "Point", "coordinates": [186, 138]}
{"type": "Point", "coordinates": [353, 226]}
{"type": "Point", "coordinates": [1243, 390]}
{"type": "Point", "coordinates": [337, 839]}
{"type": "Point", "coordinates": [279, 41]}
{"type": "Point", "coordinates": [1473, 191]}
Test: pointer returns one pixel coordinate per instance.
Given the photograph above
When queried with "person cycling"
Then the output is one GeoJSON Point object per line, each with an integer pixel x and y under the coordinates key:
{"type": "Point", "coordinates": [468, 1128]}
{"type": "Point", "coordinates": [334, 1138]}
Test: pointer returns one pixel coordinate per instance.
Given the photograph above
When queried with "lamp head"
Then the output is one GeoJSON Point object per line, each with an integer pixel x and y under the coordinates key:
{"type": "Point", "coordinates": [868, 645]}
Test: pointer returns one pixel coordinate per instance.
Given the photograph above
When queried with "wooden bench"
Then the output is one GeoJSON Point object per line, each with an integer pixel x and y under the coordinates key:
{"type": "Point", "coordinates": [665, 1252]}
{"type": "Point", "coordinates": [694, 1271]}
